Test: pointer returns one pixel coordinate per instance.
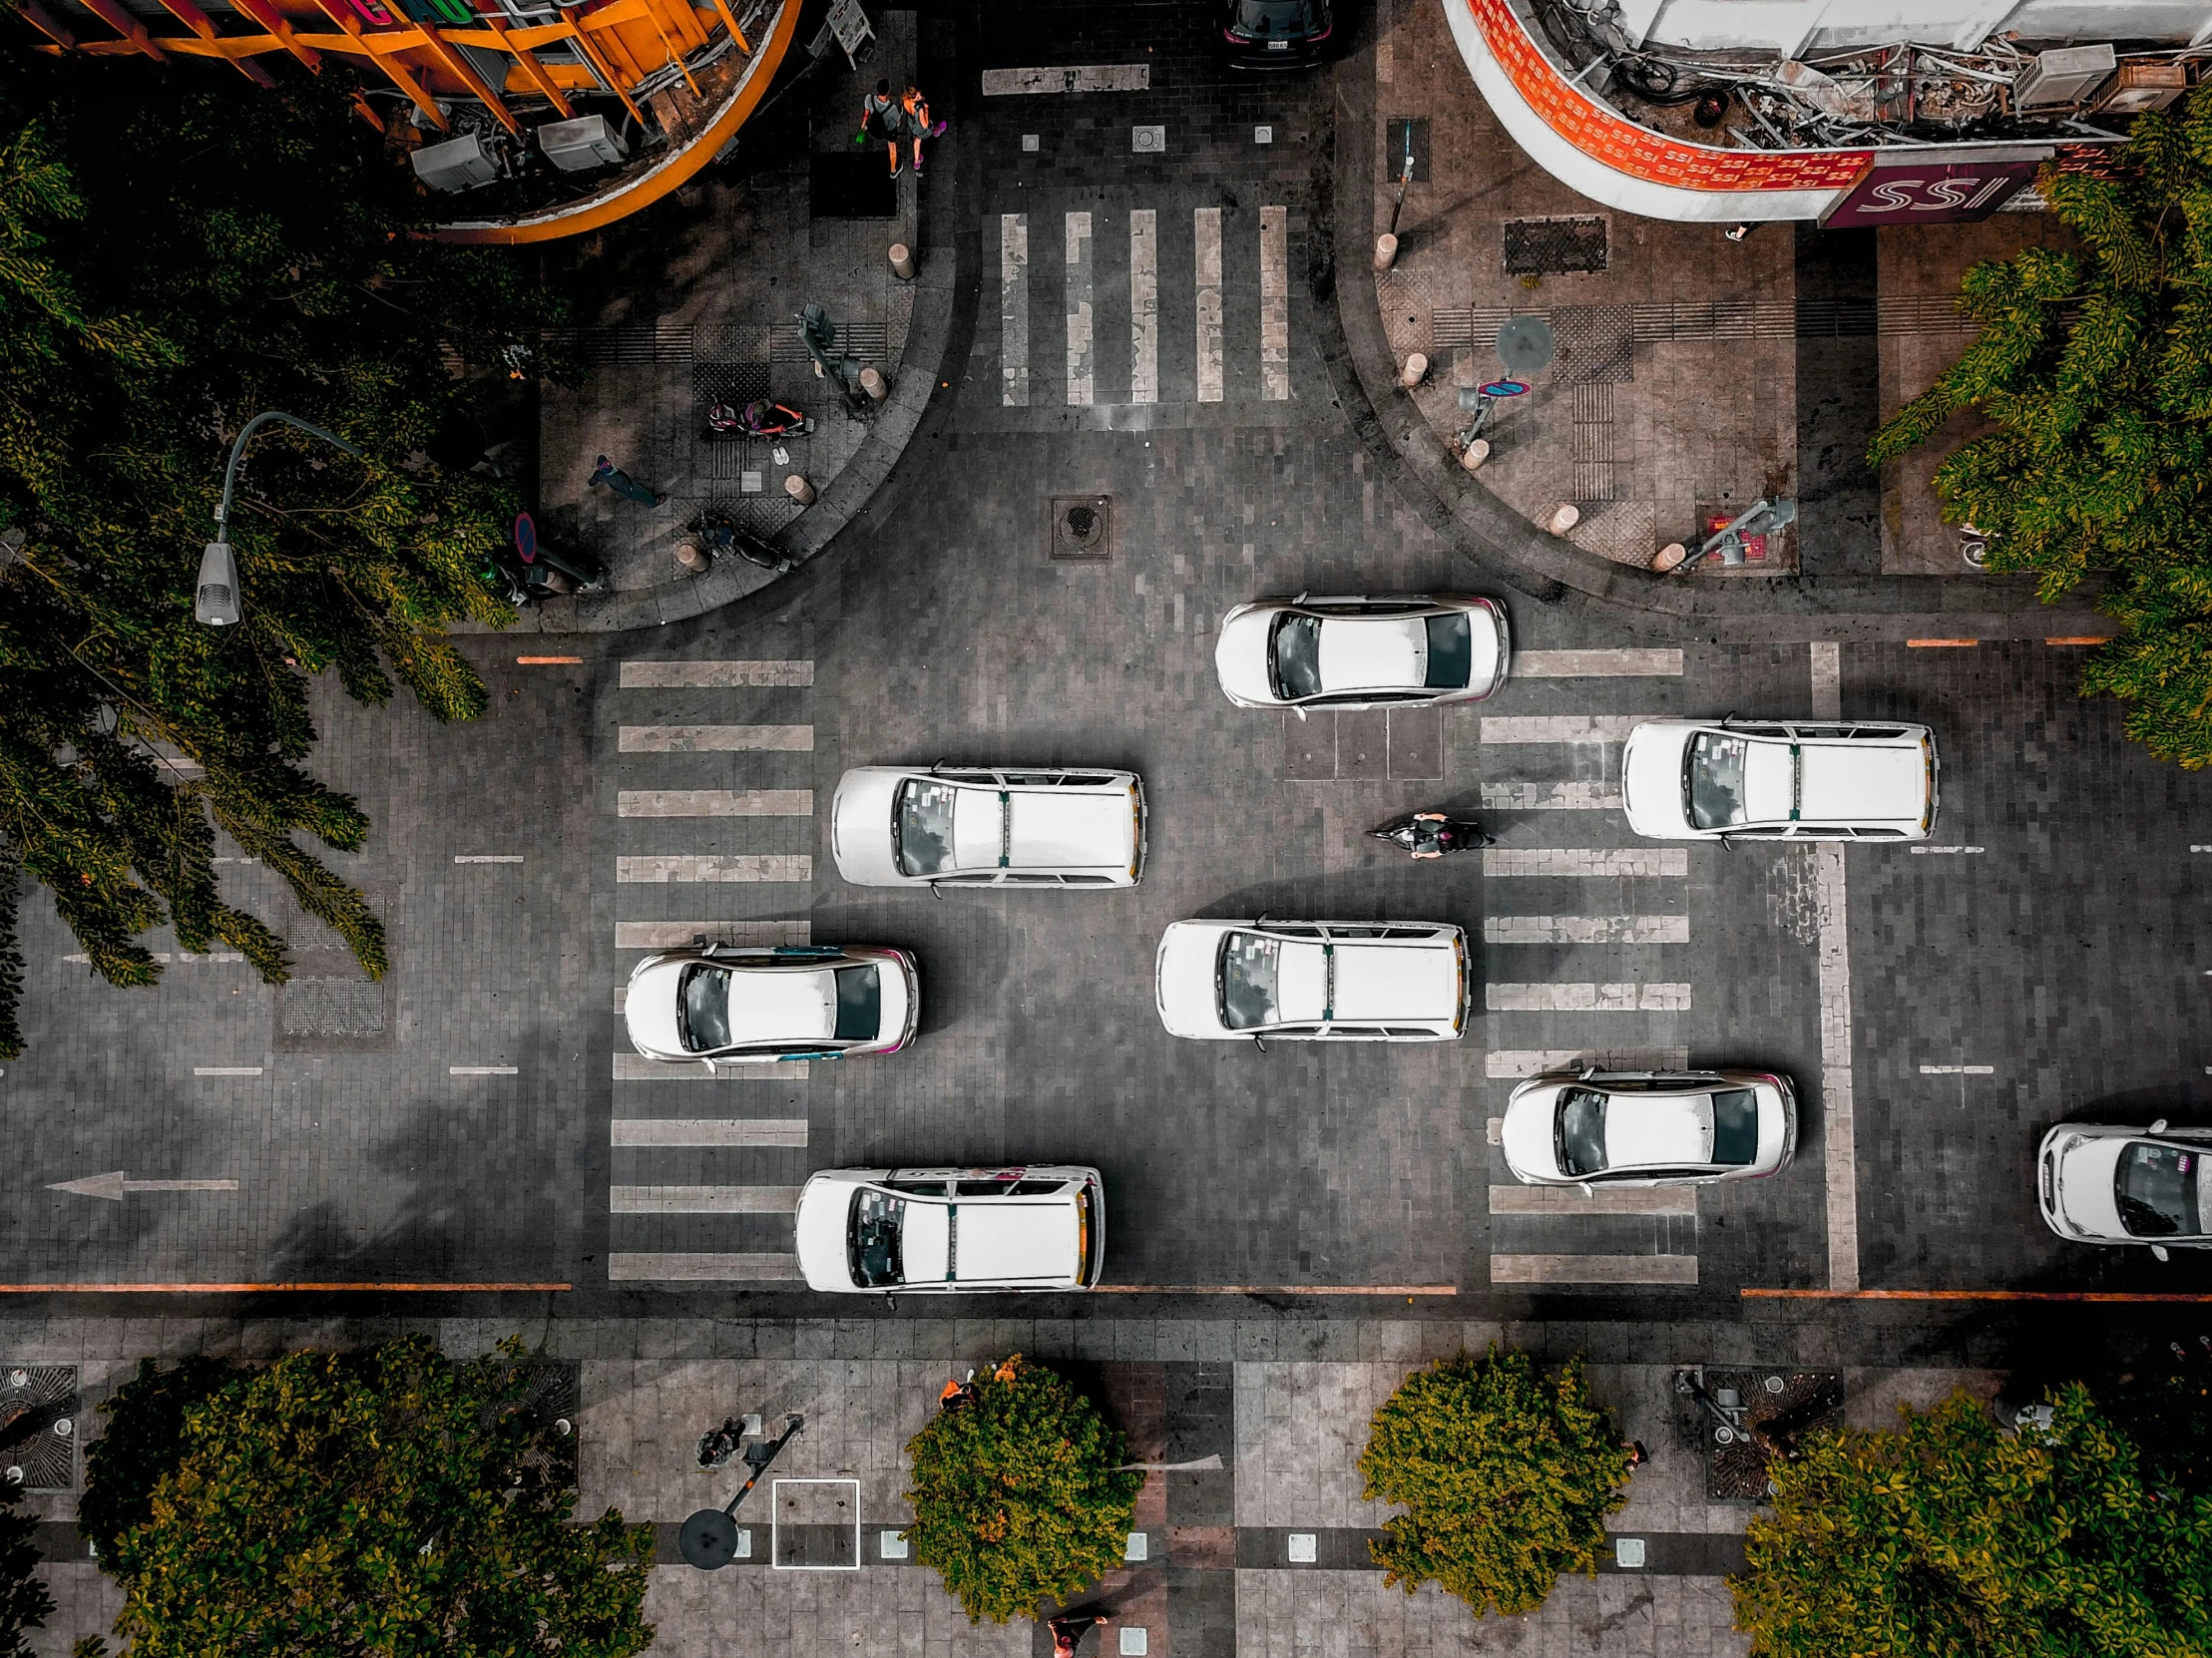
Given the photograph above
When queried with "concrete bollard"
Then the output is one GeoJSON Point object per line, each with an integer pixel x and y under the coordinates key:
{"type": "Point", "coordinates": [1670, 555]}
{"type": "Point", "coordinates": [1475, 454]}
{"type": "Point", "coordinates": [1564, 518]}
{"type": "Point", "coordinates": [874, 385]}
{"type": "Point", "coordinates": [1415, 371]}
{"type": "Point", "coordinates": [694, 558]}
{"type": "Point", "coordinates": [799, 490]}
{"type": "Point", "coordinates": [1386, 253]}
{"type": "Point", "coordinates": [902, 261]}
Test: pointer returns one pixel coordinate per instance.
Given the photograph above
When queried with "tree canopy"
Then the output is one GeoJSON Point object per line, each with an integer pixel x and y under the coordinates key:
{"type": "Point", "coordinates": [387, 1503]}
{"type": "Point", "coordinates": [1017, 1496]}
{"type": "Point", "coordinates": [179, 253]}
{"type": "Point", "coordinates": [1506, 1476]}
{"type": "Point", "coordinates": [2095, 371]}
{"type": "Point", "coordinates": [24, 1602]}
{"type": "Point", "coordinates": [1947, 1537]}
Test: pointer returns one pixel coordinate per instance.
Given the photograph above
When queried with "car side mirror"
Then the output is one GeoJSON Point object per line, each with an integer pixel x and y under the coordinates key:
{"type": "Point", "coordinates": [1300, 713]}
{"type": "Point", "coordinates": [1301, 599]}
{"type": "Point", "coordinates": [2158, 1127]}
{"type": "Point", "coordinates": [1258, 1043]}
{"type": "Point", "coordinates": [2159, 1253]}
{"type": "Point", "coordinates": [937, 888]}
{"type": "Point", "coordinates": [1588, 1189]}
{"type": "Point", "coordinates": [709, 1064]}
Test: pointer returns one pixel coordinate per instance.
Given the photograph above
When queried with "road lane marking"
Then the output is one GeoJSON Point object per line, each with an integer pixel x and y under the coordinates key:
{"type": "Point", "coordinates": [1831, 905]}
{"type": "Point", "coordinates": [1093, 77]}
{"type": "Point", "coordinates": [635, 1068]}
{"type": "Point", "coordinates": [678, 935]}
{"type": "Point", "coordinates": [1941, 645]}
{"type": "Point", "coordinates": [482, 1070]}
{"type": "Point", "coordinates": [113, 1187]}
{"type": "Point", "coordinates": [1593, 1269]}
{"type": "Point", "coordinates": [1558, 727]}
{"type": "Point", "coordinates": [1535, 1061]}
{"type": "Point", "coordinates": [2082, 638]}
{"type": "Point", "coordinates": [1274, 305]}
{"type": "Point", "coordinates": [650, 673]}
{"type": "Point", "coordinates": [1144, 305]}
{"type": "Point", "coordinates": [1014, 311]}
{"type": "Point", "coordinates": [487, 856]}
{"type": "Point", "coordinates": [713, 803]}
{"type": "Point", "coordinates": [716, 739]}
{"type": "Point", "coordinates": [1597, 665]}
{"type": "Point", "coordinates": [1586, 930]}
{"type": "Point", "coordinates": [1957, 1071]}
{"type": "Point", "coordinates": [1578, 796]}
{"type": "Point", "coordinates": [701, 1269]}
{"type": "Point", "coordinates": [706, 1131]}
{"type": "Point", "coordinates": [1599, 1200]}
{"type": "Point", "coordinates": [702, 1200]}
{"type": "Point", "coordinates": [1207, 228]}
{"type": "Point", "coordinates": [690, 866]}
{"type": "Point", "coordinates": [1588, 999]}
{"type": "Point", "coordinates": [1640, 862]}
{"type": "Point", "coordinates": [1938, 851]}
{"type": "Point", "coordinates": [1827, 679]}
{"type": "Point", "coordinates": [226, 1070]}
{"type": "Point", "coordinates": [1077, 275]}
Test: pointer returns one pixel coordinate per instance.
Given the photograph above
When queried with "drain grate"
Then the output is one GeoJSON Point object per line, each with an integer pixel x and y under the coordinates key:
{"type": "Point", "coordinates": [38, 1427]}
{"type": "Point", "coordinates": [1543, 246]}
{"type": "Point", "coordinates": [333, 1008]}
{"type": "Point", "coordinates": [1082, 528]}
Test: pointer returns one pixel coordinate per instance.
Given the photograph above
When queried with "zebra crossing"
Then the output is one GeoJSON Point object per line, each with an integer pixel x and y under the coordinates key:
{"type": "Point", "coordinates": [1589, 907]}
{"type": "Point", "coordinates": [711, 811]}
{"type": "Point", "coordinates": [1125, 301]}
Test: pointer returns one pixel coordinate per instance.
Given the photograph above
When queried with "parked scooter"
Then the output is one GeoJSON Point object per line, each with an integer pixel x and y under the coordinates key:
{"type": "Point", "coordinates": [549, 571]}
{"type": "Point", "coordinates": [1432, 834]}
{"type": "Point", "coordinates": [764, 417]}
{"type": "Point", "coordinates": [714, 532]}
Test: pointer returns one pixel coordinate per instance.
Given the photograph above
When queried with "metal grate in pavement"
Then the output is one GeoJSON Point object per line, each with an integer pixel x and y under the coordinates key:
{"type": "Point", "coordinates": [1542, 246]}
{"type": "Point", "coordinates": [332, 1008]}
{"type": "Point", "coordinates": [38, 1419]}
{"type": "Point", "coordinates": [1598, 344]}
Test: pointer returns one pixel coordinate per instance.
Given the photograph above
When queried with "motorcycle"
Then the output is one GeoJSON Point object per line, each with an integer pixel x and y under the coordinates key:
{"type": "Point", "coordinates": [764, 417]}
{"type": "Point", "coordinates": [1433, 835]}
{"type": "Point", "coordinates": [714, 532]}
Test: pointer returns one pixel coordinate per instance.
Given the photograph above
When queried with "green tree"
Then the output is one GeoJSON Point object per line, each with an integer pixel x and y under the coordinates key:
{"type": "Point", "coordinates": [1017, 1496]}
{"type": "Point", "coordinates": [1948, 1536]}
{"type": "Point", "coordinates": [24, 1602]}
{"type": "Point", "coordinates": [144, 1440]}
{"type": "Point", "coordinates": [176, 253]}
{"type": "Point", "coordinates": [2094, 370]}
{"type": "Point", "coordinates": [1506, 1476]}
{"type": "Point", "coordinates": [375, 1504]}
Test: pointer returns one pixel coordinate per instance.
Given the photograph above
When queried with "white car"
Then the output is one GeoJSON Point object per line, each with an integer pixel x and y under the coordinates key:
{"type": "Point", "coordinates": [1823, 780]}
{"type": "Point", "coordinates": [1313, 980]}
{"type": "Point", "coordinates": [722, 1005]}
{"type": "Point", "coordinates": [1648, 1129]}
{"type": "Point", "coordinates": [1361, 652]}
{"type": "Point", "coordinates": [949, 1229]}
{"type": "Point", "coordinates": [2106, 1185]}
{"type": "Point", "coordinates": [983, 826]}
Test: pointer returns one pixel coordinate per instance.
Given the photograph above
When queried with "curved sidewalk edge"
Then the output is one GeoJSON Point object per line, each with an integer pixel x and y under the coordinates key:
{"type": "Point", "coordinates": [1496, 540]}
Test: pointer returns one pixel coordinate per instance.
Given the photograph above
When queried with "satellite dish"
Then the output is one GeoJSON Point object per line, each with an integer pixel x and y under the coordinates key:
{"type": "Point", "coordinates": [708, 1539]}
{"type": "Point", "coordinates": [1525, 344]}
{"type": "Point", "coordinates": [525, 537]}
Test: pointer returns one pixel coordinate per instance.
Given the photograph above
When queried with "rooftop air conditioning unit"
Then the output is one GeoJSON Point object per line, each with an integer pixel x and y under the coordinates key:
{"type": "Point", "coordinates": [2063, 76]}
{"type": "Point", "coordinates": [2142, 86]}
{"type": "Point", "coordinates": [576, 146]}
{"type": "Point", "coordinates": [463, 162]}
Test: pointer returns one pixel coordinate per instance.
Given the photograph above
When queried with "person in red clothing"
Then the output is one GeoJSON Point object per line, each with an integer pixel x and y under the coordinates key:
{"type": "Point", "coordinates": [914, 119]}
{"type": "Point", "coordinates": [1069, 1629]}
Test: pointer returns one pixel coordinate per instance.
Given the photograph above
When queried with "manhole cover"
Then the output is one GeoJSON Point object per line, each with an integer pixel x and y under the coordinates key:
{"type": "Point", "coordinates": [1542, 246]}
{"type": "Point", "coordinates": [1082, 528]}
{"type": "Point", "coordinates": [38, 1427]}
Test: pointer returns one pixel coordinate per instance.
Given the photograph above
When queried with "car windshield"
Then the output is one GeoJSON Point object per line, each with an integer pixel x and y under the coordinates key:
{"type": "Point", "coordinates": [872, 1239]}
{"type": "Point", "coordinates": [2159, 1190]}
{"type": "Point", "coordinates": [1580, 1138]}
{"type": "Point", "coordinates": [1735, 1127]}
{"type": "Point", "coordinates": [922, 827]}
{"type": "Point", "coordinates": [859, 1004]}
{"type": "Point", "coordinates": [1294, 657]}
{"type": "Point", "coordinates": [1451, 652]}
{"type": "Point", "coordinates": [702, 1009]}
{"type": "Point", "coordinates": [1272, 17]}
{"type": "Point", "coordinates": [1713, 779]}
{"type": "Point", "coordinates": [1247, 979]}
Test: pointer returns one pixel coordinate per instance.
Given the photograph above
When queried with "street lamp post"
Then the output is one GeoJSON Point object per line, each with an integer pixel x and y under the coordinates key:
{"type": "Point", "coordinates": [216, 600]}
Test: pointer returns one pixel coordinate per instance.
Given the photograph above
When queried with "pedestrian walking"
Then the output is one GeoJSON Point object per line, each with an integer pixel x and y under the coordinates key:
{"type": "Point", "coordinates": [1637, 1456]}
{"type": "Point", "coordinates": [881, 120]}
{"type": "Point", "coordinates": [606, 473]}
{"type": "Point", "coordinates": [1069, 1629]}
{"type": "Point", "coordinates": [914, 116]}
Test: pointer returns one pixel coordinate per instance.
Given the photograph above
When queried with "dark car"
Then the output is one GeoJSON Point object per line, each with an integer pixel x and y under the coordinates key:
{"type": "Point", "coordinates": [1276, 34]}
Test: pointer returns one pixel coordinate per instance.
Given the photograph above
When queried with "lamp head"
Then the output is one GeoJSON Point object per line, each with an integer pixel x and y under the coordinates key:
{"type": "Point", "coordinates": [215, 598]}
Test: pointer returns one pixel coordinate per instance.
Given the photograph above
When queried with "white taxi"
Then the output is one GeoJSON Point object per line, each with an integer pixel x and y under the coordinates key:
{"type": "Point", "coordinates": [1313, 980]}
{"type": "Point", "coordinates": [943, 1230]}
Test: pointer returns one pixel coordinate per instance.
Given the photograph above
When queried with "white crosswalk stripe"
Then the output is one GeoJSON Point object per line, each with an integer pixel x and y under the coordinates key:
{"type": "Point", "coordinates": [1597, 665]}
{"type": "Point", "coordinates": [1516, 1063]}
{"type": "Point", "coordinates": [1274, 305]}
{"type": "Point", "coordinates": [1558, 727]}
{"type": "Point", "coordinates": [1588, 997]}
{"type": "Point", "coordinates": [1207, 228]}
{"type": "Point", "coordinates": [631, 1268]}
{"type": "Point", "coordinates": [1079, 309]}
{"type": "Point", "coordinates": [1586, 930]}
{"type": "Point", "coordinates": [714, 803]}
{"type": "Point", "coordinates": [1014, 309]}
{"type": "Point", "coordinates": [1591, 861]}
{"type": "Point", "coordinates": [1144, 305]}
{"type": "Point", "coordinates": [715, 739]}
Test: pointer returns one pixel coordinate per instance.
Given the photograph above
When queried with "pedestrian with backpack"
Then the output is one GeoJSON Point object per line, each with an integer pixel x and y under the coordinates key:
{"type": "Point", "coordinates": [914, 119]}
{"type": "Point", "coordinates": [881, 120]}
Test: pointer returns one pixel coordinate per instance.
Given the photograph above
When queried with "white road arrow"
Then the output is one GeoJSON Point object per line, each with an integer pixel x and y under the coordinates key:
{"type": "Point", "coordinates": [114, 1188]}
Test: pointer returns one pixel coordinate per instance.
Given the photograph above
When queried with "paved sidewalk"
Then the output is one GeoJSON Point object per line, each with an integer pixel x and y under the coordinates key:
{"type": "Point", "coordinates": [1218, 1558]}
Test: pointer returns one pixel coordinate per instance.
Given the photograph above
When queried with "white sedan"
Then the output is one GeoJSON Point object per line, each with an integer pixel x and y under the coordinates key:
{"type": "Point", "coordinates": [721, 1006]}
{"type": "Point", "coordinates": [1313, 980]}
{"type": "Point", "coordinates": [1826, 780]}
{"type": "Point", "coordinates": [2104, 1185]}
{"type": "Point", "coordinates": [983, 826]}
{"type": "Point", "coordinates": [948, 1229]}
{"type": "Point", "coordinates": [1361, 652]}
{"type": "Point", "coordinates": [1648, 1129]}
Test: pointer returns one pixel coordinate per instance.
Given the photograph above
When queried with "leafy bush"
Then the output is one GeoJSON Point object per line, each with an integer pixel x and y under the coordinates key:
{"type": "Point", "coordinates": [1016, 1495]}
{"type": "Point", "coordinates": [1947, 1535]}
{"type": "Point", "coordinates": [24, 1602]}
{"type": "Point", "coordinates": [145, 1439]}
{"type": "Point", "coordinates": [1506, 1477]}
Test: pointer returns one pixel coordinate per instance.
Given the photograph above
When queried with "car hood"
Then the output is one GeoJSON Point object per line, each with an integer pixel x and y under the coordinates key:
{"type": "Point", "coordinates": [1240, 656]}
{"type": "Point", "coordinates": [1855, 782]}
{"type": "Point", "coordinates": [1526, 1138]}
{"type": "Point", "coordinates": [2085, 1195]}
{"type": "Point", "coordinates": [649, 1008]}
{"type": "Point", "coordinates": [1658, 1131]}
{"type": "Point", "coordinates": [1005, 1239]}
{"type": "Point", "coordinates": [1651, 778]}
{"type": "Point", "coordinates": [1063, 829]}
{"type": "Point", "coordinates": [860, 826]}
{"type": "Point", "coordinates": [825, 1208]}
{"type": "Point", "coordinates": [1373, 653]}
{"type": "Point", "coordinates": [1378, 982]}
{"type": "Point", "coordinates": [1183, 978]}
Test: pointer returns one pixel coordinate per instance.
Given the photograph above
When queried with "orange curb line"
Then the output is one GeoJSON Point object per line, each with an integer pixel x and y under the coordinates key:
{"type": "Point", "coordinates": [1931, 644]}
{"type": "Point", "coordinates": [2086, 639]}
{"type": "Point", "coordinates": [545, 661]}
{"type": "Point", "coordinates": [259, 1289]}
{"type": "Point", "coordinates": [1275, 1289]}
{"type": "Point", "coordinates": [1970, 1295]}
